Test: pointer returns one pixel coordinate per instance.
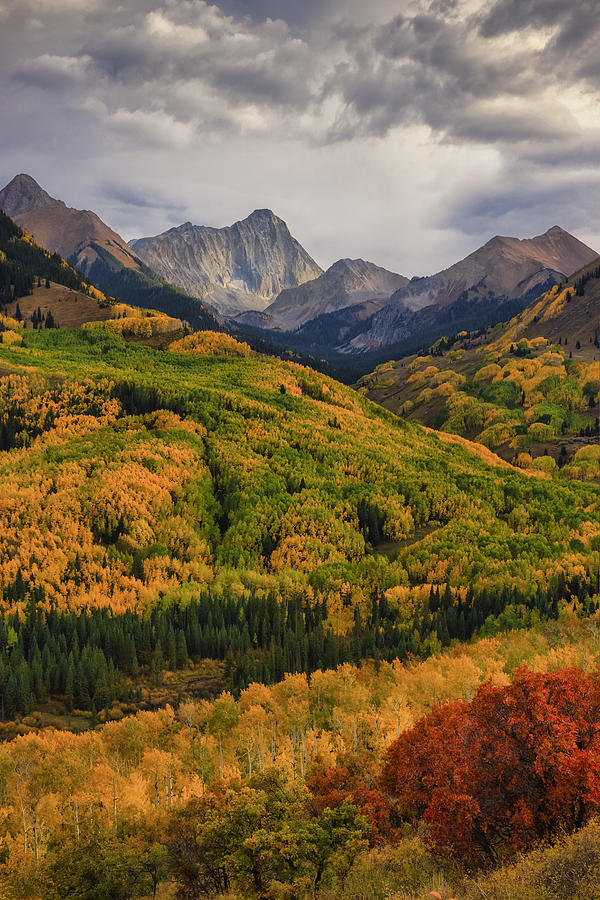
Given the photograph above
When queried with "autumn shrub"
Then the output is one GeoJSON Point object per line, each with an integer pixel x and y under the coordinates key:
{"type": "Point", "coordinates": [570, 869]}
{"type": "Point", "coordinates": [104, 866]}
{"type": "Point", "coordinates": [408, 868]}
{"type": "Point", "coordinates": [515, 766]}
{"type": "Point", "coordinates": [332, 787]}
{"type": "Point", "coordinates": [209, 343]}
{"type": "Point", "coordinates": [263, 841]}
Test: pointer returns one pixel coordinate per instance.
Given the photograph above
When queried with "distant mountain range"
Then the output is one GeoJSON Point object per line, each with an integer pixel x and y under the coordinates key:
{"type": "Point", "coordinates": [528, 385]}
{"type": "Point", "coordinates": [504, 269]}
{"type": "Point", "coordinates": [90, 246]}
{"type": "Point", "coordinates": [351, 316]}
{"type": "Point", "coordinates": [243, 266]}
{"type": "Point", "coordinates": [257, 279]}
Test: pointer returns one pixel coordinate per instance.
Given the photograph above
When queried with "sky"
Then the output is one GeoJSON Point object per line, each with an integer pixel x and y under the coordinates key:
{"type": "Point", "coordinates": [407, 133]}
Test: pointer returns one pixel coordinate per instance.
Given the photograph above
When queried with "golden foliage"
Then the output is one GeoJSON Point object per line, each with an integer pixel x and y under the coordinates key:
{"type": "Point", "coordinates": [210, 343]}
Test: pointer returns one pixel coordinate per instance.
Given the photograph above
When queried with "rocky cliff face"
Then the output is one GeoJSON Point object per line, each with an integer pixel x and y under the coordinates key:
{"type": "Point", "coordinates": [348, 282]}
{"type": "Point", "coordinates": [242, 266]}
{"type": "Point", "coordinates": [504, 269]}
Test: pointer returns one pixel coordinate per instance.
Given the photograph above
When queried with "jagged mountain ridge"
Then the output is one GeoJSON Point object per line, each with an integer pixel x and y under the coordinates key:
{"type": "Point", "coordinates": [92, 247]}
{"type": "Point", "coordinates": [348, 282]}
{"type": "Point", "coordinates": [355, 309]}
{"type": "Point", "coordinates": [503, 269]}
{"type": "Point", "coordinates": [239, 267]}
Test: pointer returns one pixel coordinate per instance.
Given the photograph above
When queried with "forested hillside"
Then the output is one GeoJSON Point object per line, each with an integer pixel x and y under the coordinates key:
{"type": "Point", "coordinates": [527, 389]}
{"type": "Point", "coordinates": [292, 790]}
{"type": "Point", "coordinates": [249, 511]}
{"type": "Point", "coordinates": [23, 264]}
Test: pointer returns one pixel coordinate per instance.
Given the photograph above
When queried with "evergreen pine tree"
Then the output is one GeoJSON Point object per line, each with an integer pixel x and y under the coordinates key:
{"type": "Point", "coordinates": [181, 650]}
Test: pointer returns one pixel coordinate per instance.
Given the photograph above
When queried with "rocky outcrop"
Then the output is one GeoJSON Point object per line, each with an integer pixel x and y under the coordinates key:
{"type": "Point", "coordinates": [240, 267]}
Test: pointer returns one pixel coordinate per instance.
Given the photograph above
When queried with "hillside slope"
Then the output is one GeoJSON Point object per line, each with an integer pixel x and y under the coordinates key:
{"type": "Point", "coordinates": [78, 235]}
{"type": "Point", "coordinates": [527, 389]}
{"type": "Point", "coordinates": [161, 471]}
{"type": "Point", "coordinates": [24, 263]}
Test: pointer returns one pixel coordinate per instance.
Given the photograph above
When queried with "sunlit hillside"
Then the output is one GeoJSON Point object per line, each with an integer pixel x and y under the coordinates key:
{"type": "Point", "coordinates": [272, 472]}
{"type": "Point", "coordinates": [148, 802]}
{"type": "Point", "coordinates": [527, 389]}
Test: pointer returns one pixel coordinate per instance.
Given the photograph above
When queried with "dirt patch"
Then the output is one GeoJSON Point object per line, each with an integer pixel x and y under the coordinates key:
{"type": "Point", "coordinates": [70, 309]}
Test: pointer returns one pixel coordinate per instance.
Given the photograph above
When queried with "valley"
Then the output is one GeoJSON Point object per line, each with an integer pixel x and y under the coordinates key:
{"type": "Point", "coordinates": [240, 597]}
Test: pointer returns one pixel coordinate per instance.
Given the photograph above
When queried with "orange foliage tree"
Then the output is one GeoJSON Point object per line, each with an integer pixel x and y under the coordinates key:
{"type": "Point", "coordinates": [515, 766]}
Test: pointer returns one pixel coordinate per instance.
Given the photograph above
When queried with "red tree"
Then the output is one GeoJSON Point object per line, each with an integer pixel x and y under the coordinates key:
{"type": "Point", "coordinates": [507, 770]}
{"type": "Point", "coordinates": [331, 787]}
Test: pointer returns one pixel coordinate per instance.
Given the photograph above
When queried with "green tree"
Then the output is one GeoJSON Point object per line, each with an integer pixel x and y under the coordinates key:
{"type": "Point", "coordinates": [104, 867]}
{"type": "Point", "coordinates": [223, 719]}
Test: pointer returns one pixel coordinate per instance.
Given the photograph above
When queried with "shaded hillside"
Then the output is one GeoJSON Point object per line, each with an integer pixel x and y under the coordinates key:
{"type": "Point", "coordinates": [142, 287]}
{"type": "Point", "coordinates": [528, 388]}
{"type": "Point", "coordinates": [572, 316]}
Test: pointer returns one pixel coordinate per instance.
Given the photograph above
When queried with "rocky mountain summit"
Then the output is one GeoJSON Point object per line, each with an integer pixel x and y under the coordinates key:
{"type": "Point", "coordinates": [504, 269]}
{"type": "Point", "coordinates": [348, 282]}
{"type": "Point", "coordinates": [242, 266]}
{"type": "Point", "coordinates": [22, 195]}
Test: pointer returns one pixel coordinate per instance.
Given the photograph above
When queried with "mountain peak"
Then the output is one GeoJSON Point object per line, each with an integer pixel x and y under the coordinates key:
{"type": "Point", "coordinates": [262, 217]}
{"type": "Point", "coordinates": [262, 214]}
{"type": "Point", "coordinates": [346, 283]}
{"type": "Point", "coordinates": [23, 194]}
{"type": "Point", "coordinates": [238, 267]}
{"type": "Point", "coordinates": [344, 263]}
{"type": "Point", "coordinates": [24, 181]}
